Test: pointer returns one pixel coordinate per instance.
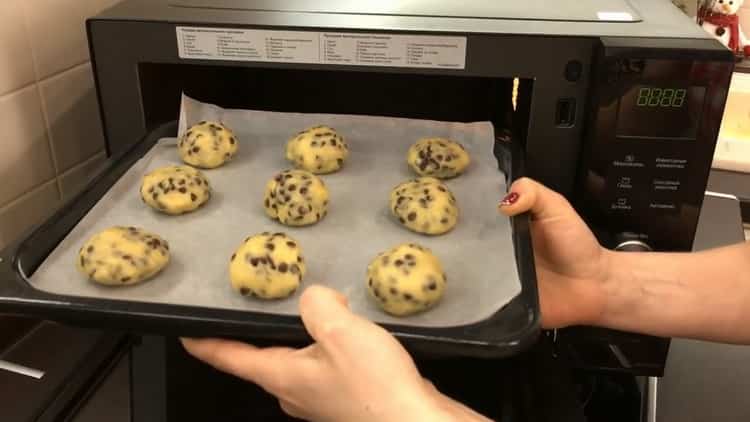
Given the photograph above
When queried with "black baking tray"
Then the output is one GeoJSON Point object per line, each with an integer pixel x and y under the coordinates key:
{"type": "Point", "coordinates": [507, 332]}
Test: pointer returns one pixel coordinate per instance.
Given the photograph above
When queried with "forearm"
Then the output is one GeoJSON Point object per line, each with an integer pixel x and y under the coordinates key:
{"type": "Point", "coordinates": [703, 295]}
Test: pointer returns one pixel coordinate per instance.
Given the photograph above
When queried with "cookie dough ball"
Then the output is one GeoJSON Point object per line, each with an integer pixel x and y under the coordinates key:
{"type": "Point", "coordinates": [175, 190]}
{"type": "Point", "coordinates": [268, 266]}
{"type": "Point", "coordinates": [296, 198]}
{"type": "Point", "coordinates": [319, 150]}
{"type": "Point", "coordinates": [207, 145]}
{"type": "Point", "coordinates": [425, 205]}
{"type": "Point", "coordinates": [406, 279]}
{"type": "Point", "coordinates": [438, 157]}
{"type": "Point", "coordinates": [121, 256]}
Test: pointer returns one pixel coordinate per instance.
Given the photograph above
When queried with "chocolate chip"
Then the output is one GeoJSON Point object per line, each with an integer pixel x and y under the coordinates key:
{"type": "Point", "coordinates": [333, 142]}
{"type": "Point", "coordinates": [90, 249]}
{"type": "Point", "coordinates": [283, 267]}
{"type": "Point", "coordinates": [262, 261]}
{"type": "Point", "coordinates": [83, 261]}
{"type": "Point", "coordinates": [196, 149]}
{"type": "Point", "coordinates": [412, 216]}
{"type": "Point", "coordinates": [287, 176]}
{"type": "Point", "coordinates": [303, 191]}
{"type": "Point", "coordinates": [369, 282]}
{"type": "Point", "coordinates": [317, 216]}
{"type": "Point", "coordinates": [291, 244]}
{"type": "Point", "coordinates": [294, 268]}
{"type": "Point", "coordinates": [292, 188]}
{"type": "Point", "coordinates": [254, 262]}
{"type": "Point", "coordinates": [232, 140]}
{"type": "Point", "coordinates": [193, 197]}
{"type": "Point", "coordinates": [270, 246]}
{"type": "Point", "coordinates": [408, 257]}
{"type": "Point", "coordinates": [244, 291]}
{"type": "Point", "coordinates": [234, 255]}
{"type": "Point", "coordinates": [398, 263]}
{"type": "Point", "coordinates": [394, 291]}
{"type": "Point", "coordinates": [408, 296]}
{"type": "Point", "coordinates": [299, 259]}
{"type": "Point", "coordinates": [125, 279]}
{"type": "Point", "coordinates": [183, 190]}
{"type": "Point", "coordinates": [268, 203]}
{"type": "Point", "coordinates": [340, 161]}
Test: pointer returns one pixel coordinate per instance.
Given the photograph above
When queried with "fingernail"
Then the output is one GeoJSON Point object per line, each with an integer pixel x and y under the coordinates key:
{"type": "Point", "coordinates": [509, 199]}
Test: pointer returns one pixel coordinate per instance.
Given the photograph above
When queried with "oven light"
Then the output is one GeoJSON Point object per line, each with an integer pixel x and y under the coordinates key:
{"type": "Point", "coordinates": [514, 98]}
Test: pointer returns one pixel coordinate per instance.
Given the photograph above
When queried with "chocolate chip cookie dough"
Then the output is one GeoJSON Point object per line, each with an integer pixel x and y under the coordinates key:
{"type": "Point", "coordinates": [296, 198]}
{"type": "Point", "coordinates": [438, 157]}
{"type": "Point", "coordinates": [267, 266]}
{"type": "Point", "coordinates": [121, 256]}
{"type": "Point", "coordinates": [207, 145]}
{"type": "Point", "coordinates": [406, 280]}
{"type": "Point", "coordinates": [319, 150]}
{"type": "Point", "coordinates": [425, 205]}
{"type": "Point", "coordinates": [175, 190]}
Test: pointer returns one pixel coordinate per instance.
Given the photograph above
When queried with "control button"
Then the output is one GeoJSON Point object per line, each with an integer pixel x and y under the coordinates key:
{"type": "Point", "coordinates": [628, 161]}
{"type": "Point", "coordinates": [664, 206]}
{"type": "Point", "coordinates": [666, 185]}
{"type": "Point", "coordinates": [633, 246]}
{"type": "Point", "coordinates": [573, 71]}
{"type": "Point", "coordinates": [621, 203]}
{"type": "Point", "coordinates": [624, 182]}
{"type": "Point", "coordinates": [671, 163]}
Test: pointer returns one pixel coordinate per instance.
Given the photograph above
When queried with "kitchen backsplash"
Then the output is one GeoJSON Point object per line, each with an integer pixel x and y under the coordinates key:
{"type": "Point", "coordinates": [52, 140]}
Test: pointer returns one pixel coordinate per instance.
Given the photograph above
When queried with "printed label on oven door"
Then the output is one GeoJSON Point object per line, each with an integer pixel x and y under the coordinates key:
{"type": "Point", "coordinates": [336, 48]}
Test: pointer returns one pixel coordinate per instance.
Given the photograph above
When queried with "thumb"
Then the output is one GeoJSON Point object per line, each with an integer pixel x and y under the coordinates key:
{"type": "Point", "coordinates": [528, 195]}
{"type": "Point", "coordinates": [324, 311]}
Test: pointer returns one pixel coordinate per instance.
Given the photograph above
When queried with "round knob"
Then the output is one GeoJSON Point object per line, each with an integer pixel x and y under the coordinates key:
{"type": "Point", "coordinates": [633, 246]}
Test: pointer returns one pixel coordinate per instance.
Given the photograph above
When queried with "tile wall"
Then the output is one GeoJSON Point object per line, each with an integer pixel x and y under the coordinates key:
{"type": "Point", "coordinates": [51, 141]}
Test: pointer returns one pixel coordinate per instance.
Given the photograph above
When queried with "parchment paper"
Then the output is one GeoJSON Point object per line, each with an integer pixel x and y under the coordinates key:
{"type": "Point", "coordinates": [477, 255]}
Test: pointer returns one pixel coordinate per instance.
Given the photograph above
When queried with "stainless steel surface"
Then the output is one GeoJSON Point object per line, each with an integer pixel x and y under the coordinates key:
{"type": "Point", "coordinates": [633, 246]}
{"type": "Point", "coordinates": [708, 381]}
{"type": "Point", "coordinates": [564, 10]}
{"type": "Point", "coordinates": [660, 19]}
{"type": "Point", "coordinates": [21, 370]}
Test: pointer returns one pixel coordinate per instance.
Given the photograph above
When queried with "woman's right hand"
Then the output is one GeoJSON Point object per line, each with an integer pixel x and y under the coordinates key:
{"type": "Point", "coordinates": [572, 267]}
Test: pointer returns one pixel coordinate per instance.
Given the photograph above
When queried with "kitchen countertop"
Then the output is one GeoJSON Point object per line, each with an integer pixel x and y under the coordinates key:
{"type": "Point", "coordinates": [708, 381]}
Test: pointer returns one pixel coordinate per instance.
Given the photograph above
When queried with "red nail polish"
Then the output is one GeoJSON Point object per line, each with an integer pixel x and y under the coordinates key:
{"type": "Point", "coordinates": [510, 199]}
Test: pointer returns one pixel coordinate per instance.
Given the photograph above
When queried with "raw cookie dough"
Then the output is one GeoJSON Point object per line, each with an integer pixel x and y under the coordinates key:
{"type": "Point", "coordinates": [406, 279]}
{"type": "Point", "coordinates": [268, 266]}
{"type": "Point", "coordinates": [438, 157]}
{"type": "Point", "coordinates": [425, 205]}
{"type": "Point", "coordinates": [319, 150]}
{"type": "Point", "coordinates": [121, 256]}
{"type": "Point", "coordinates": [207, 145]}
{"type": "Point", "coordinates": [175, 189]}
{"type": "Point", "coordinates": [296, 198]}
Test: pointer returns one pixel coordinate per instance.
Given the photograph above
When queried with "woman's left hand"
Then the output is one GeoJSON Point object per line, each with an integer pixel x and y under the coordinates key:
{"type": "Point", "coordinates": [355, 370]}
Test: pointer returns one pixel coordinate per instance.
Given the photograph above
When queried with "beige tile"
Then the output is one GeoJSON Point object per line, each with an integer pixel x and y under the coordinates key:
{"type": "Point", "coordinates": [16, 63]}
{"type": "Point", "coordinates": [75, 179]}
{"type": "Point", "coordinates": [73, 116]}
{"type": "Point", "coordinates": [27, 211]}
{"type": "Point", "coordinates": [58, 34]}
{"type": "Point", "coordinates": [25, 160]}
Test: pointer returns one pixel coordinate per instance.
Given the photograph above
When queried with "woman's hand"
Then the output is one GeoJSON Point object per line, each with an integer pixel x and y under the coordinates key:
{"type": "Point", "coordinates": [355, 370]}
{"type": "Point", "coordinates": [572, 268]}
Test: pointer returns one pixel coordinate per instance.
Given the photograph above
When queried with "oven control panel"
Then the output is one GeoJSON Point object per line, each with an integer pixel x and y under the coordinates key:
{"type": "Point", "coordinates": [653, 122]}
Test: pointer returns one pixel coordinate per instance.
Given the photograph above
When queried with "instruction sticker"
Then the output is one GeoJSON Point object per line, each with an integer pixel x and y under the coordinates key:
{"type": "Point", "coordinates": [337, 48]}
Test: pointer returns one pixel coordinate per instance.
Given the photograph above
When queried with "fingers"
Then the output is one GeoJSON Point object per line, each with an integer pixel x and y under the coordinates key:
{"type": "Point", "coordinates": [528, 195]}
{"type": "Point", "coordinates": [265, 367]}
{"type": "Point", "coordinates": [323, 310]}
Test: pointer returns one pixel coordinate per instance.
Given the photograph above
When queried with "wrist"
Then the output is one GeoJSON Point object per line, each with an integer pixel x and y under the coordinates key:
{"type": "Point", "coordinates": [618, 268]}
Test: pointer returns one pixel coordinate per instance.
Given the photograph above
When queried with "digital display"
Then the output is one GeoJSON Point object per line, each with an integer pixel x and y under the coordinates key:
{"type": "Point", "coordinates": [661, 112]}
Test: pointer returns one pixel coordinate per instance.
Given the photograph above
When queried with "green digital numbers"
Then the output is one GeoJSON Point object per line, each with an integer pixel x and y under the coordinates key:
{"type": "Point", "coordinates": [661, 97]}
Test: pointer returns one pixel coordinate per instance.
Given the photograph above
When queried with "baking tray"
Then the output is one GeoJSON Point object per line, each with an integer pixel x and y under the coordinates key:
{"type": "Point", "coordinates": [505, 332]}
